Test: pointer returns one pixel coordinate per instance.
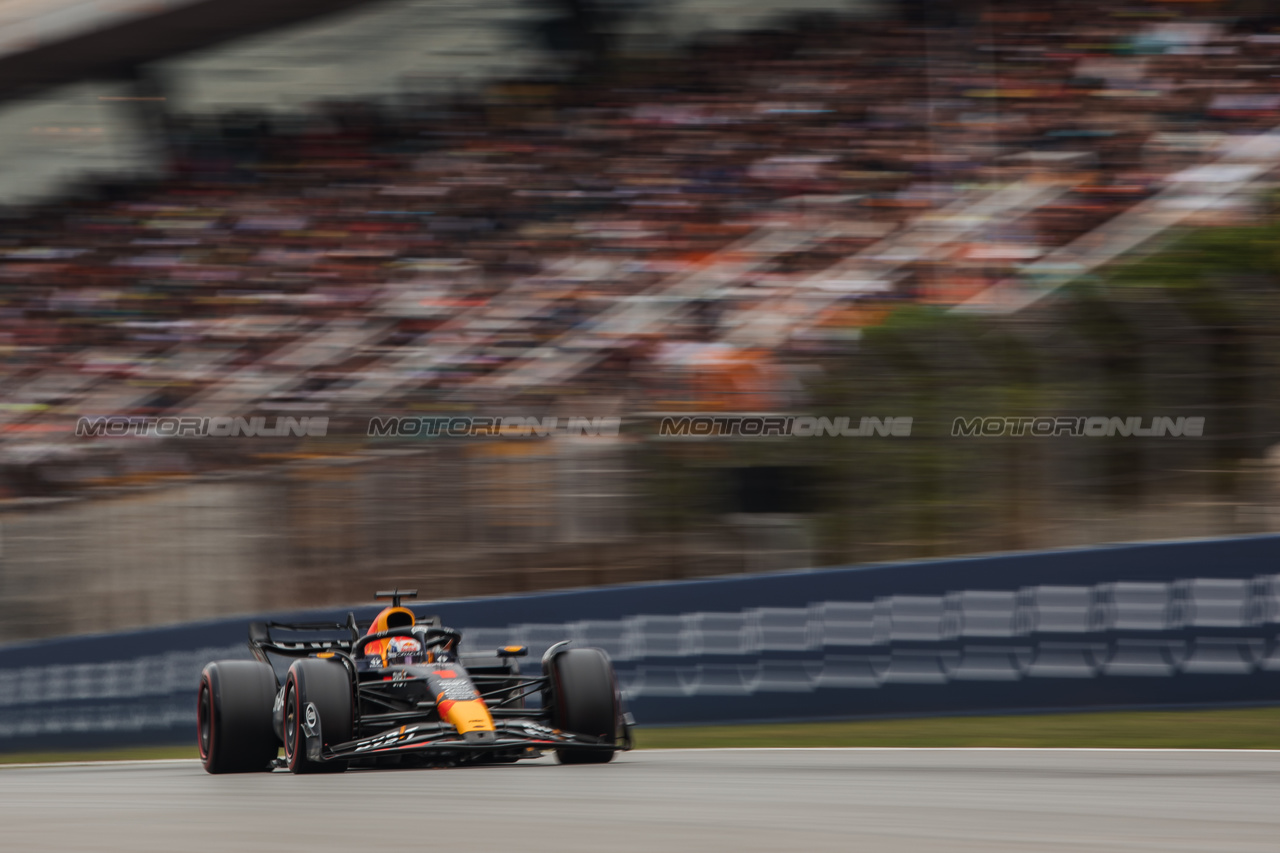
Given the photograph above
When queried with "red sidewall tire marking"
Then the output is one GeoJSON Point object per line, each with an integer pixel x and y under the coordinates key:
{"type": "Point", "coordinates": [298, 745]}
{"type": "Point", "coordinates": [291, 695]}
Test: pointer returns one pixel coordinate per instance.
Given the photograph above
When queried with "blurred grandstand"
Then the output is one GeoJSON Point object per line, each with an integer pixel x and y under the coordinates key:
{"type": "Point", "coordinates": [723, 229]}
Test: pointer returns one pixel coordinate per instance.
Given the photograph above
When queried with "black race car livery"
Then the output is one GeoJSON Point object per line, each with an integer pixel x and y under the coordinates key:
{"type": "Point", "coordinates": [400, 694]}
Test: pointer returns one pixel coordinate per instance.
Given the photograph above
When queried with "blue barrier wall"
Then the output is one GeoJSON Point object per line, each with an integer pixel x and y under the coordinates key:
{"type": "Point", "coordinates": [1190, 623]}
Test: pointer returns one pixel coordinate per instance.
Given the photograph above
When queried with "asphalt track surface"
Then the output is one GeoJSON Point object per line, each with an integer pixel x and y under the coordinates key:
{"type": "Point", "coordinates": [739, 800]}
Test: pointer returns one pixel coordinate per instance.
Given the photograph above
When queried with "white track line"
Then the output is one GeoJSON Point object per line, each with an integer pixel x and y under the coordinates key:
{"type": "Point", "coordinates": [1134, 749]}
{"type": "Point", "coordinates": [113, 763]}
{"type": "Point", "coordinates": [1123, 749]}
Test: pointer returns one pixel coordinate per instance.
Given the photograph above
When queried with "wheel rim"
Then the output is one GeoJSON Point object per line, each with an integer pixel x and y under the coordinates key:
{"type": "Point", "coordinates": [290, 723]}
{"type": "Point", "coordinates": [203, 721]}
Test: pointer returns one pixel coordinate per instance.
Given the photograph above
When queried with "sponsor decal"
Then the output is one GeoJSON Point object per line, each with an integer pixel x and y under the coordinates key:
{"type": "Point", "coordinates": [538, 730]}
{"type": "Point", "coordinates": [456, 690]}
{"type": "Point", "coordinates": [388, 739]}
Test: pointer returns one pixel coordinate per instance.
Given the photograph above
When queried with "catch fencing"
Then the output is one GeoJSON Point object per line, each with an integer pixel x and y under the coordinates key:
{"type": "Point", "coordinates": [1160, 625]}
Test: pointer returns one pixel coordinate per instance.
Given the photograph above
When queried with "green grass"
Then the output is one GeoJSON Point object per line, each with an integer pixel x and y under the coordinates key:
{"type": "Point", "coordinates": [1247, 728]}
{"type": "Point", "coordinates": [137, 753]}
{"type": "Point", "coordinates": [1250, 728]}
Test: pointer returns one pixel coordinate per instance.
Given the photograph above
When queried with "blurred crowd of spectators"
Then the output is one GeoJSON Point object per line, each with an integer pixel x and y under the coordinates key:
{"type": "Point", "coordinates": [497, 222]}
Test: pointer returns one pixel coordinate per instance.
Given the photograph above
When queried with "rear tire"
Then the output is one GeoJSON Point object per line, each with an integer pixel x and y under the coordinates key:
{"type": "Point", "coordinates": [233, 717]}
{"type": "Point", "coordinates": [586, 702]}
{"type": "Point", "coordinates": [326, 685]}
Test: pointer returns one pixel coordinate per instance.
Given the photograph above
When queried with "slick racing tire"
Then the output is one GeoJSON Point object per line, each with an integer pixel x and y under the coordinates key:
{"type": "Point", "coordinates": [585, 693]}
{"type": "Point", "coordinates": [326, 685]}
{"type": "Point", "coordinates": [233, 717]}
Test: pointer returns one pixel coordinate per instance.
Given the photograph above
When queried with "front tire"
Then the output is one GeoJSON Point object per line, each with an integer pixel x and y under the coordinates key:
{"type": "Point", "coordinates": [586, 702]}
{"type": "Point", "coordinates": [327, 686]}
{"type": "Point", "coordinates": [233, 717]}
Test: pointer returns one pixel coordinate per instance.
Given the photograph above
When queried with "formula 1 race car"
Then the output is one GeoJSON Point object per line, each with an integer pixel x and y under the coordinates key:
{"type": "Point", "coordinates": [400, 695]}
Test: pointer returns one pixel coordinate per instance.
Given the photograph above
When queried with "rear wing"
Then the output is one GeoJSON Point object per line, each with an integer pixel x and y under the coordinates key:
{"type": "Point", "coordinates": [263, 637]}
{"type": "Point", "coordinates": [329, 636]}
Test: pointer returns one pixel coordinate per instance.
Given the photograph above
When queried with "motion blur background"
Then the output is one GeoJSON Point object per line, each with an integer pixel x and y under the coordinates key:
{"type": "Point", "coordinates": [619, 208]}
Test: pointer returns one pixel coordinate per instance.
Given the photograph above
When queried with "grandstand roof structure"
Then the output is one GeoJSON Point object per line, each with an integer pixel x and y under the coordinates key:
{"type": "Point", "coordinates": [76, 40]}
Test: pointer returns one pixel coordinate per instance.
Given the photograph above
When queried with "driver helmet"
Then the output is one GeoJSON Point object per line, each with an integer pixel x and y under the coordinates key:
{"type": "Point", "coordinates": [404, 650]}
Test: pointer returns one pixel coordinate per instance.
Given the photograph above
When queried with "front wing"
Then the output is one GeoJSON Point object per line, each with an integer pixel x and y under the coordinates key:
{"type": "Point", "coordinates": [521, 737]}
